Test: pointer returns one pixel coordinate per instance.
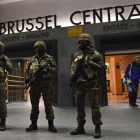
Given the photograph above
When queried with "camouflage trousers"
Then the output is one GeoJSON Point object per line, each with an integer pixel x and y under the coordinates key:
{"type": "Point", "coordinates": [35, 94]}
{"type": "Point", "coordinates": [92, 93]}
{"type": "Point", "coordinates": [3, 96]}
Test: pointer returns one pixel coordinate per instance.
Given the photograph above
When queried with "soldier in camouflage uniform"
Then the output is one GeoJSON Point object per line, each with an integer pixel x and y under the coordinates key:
{"type": "Point", "coordinates": [5, 66]}
{"type": "Point", "coordinates": [87, 83]}
{"type": "Point", "coordinates": [42, 85]}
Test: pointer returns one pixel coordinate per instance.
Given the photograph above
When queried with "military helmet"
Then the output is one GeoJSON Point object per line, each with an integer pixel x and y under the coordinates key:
{"type": "Point", "coordinates": [1, 46]}
{"type": "Point", "coordinates": [85, 36]}
{"type": "Point", "coordinates": [40, 43]}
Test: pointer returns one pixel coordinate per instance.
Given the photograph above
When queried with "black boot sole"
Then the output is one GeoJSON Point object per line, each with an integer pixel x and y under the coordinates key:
{"type": "Point", "coordinates": [52, 130]}
{"type": "Point", "coordinates": [3, 129]}
{"type": "Point", "coordinates": [135, 106]}
{"type": "Point", "coordinates": [97, 137]}
{"type": "Point", "coordinates": [31, 129]}
{"type": "Point", "coordinates": [77, 133]}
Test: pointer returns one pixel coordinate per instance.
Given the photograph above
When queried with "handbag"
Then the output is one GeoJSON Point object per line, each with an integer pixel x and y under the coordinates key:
{"type": "Point", "coordinates": [128, 82]}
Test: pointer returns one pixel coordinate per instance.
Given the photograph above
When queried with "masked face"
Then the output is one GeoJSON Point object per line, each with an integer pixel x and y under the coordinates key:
{"type": "Point", "coordinates": [40, 51]}
{"type": "Point", "coordinates": [1, 51]}
{"type": "Point", "coordinates": [83, 45]}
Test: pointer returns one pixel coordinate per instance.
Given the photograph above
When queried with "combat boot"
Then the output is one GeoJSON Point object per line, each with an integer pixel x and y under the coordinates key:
{"type": "Point", "coordinates": [51, 126]}
{"type": "Point", "coordinates": [32, 127]}
{"type": "Point", "coordinates": [97, 131]}
{"type": "Point", "coordinates": [3, 126]}
{"type": "Point", "coordinates": [79, 130]}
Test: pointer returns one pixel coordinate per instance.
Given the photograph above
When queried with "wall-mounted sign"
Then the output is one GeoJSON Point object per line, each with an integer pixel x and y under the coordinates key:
{"type": "Point", "coordinates": [86, 17]}
{"type": "Point", "coordinates": [120, 27]}
{"type": "Point", "coordinates": [27, 36]}
{"type": "Point", "coordinates": [75, 31]}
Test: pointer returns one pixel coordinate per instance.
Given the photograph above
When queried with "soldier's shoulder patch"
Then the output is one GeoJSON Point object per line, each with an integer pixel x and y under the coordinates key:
{"type": "Point", "coordinates": [32, 59]}
{"type": "Point", "coordinates": [50, 57]}
{"type": "Point", "coordinates": [97, 53]}
{"type": "Point", "coordinates": [5, 56]}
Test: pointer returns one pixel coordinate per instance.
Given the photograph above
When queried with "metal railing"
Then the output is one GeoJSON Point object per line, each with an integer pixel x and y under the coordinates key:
{"type": "Point", "coordinates": [15, 86]}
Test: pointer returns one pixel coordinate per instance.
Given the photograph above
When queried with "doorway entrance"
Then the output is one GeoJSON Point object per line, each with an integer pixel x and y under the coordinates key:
{"type": "Point", "coordinates": [115, 43]}
{"type": "Point", "coordinates": [115, 70]}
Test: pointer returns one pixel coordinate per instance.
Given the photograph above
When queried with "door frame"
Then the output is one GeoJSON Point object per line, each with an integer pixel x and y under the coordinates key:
{"type": "Point", "coordinates": [110, 42]}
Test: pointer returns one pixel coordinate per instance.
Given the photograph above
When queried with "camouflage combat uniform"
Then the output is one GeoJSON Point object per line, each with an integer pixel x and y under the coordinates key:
{"type": "Point", "coordinates": [87, 83]}
{"type": "Point", "coordinates": [43, 85]}
{"type": "Point", "coordinates": [4, 68]}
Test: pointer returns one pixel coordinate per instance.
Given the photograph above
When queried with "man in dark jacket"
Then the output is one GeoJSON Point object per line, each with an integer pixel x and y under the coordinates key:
{"type": "Point", "coordinates": [133, 73]}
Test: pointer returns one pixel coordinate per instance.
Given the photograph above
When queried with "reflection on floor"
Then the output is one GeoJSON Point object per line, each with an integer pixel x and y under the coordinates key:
{"type": "Point", "coordinates": [118, 98]}
{"type": "Point", "coordinates": [111, 98]}
{"type": "Point", "coordinates": [120, 122]}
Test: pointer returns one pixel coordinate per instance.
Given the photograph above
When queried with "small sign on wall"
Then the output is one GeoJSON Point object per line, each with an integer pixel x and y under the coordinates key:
{"type": "Point", "coordinates": [75, 31]}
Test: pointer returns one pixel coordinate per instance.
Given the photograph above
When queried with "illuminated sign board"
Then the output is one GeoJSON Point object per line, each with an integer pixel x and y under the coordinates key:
{"type": "Point", "coordinates": [41, 23]}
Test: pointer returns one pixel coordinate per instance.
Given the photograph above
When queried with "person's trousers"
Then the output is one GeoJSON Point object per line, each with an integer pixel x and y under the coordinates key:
{"type": "Point", "coordinates": [133, 93]}
{"type": "Point", "coordinates": [3, 97]}
{"type": "Point", "coordinates": [93, 95]}
{"type": "Point", "coordinates": [35, 94]}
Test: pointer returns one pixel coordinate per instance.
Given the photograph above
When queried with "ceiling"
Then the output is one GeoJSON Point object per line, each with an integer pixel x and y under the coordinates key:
{"type": "Point", "coordinates": [8, 1]}
{"type": "Point", "coordinates": [11, 10]}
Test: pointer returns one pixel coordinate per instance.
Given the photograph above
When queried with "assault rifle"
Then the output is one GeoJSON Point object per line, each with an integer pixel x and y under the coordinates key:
{"type": "Point", "coordinates": [75, 76]}
{"type": "Point", "coordinates": [35, 77]}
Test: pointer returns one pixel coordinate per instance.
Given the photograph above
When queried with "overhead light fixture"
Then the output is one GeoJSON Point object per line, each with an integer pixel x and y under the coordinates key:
{"type": "Point", "coordinates": [8, 1]}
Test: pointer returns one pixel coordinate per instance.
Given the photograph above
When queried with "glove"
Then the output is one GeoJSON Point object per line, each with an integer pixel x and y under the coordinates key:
{"type": "Point", "coordinates": [27, 80]}
{"type": "Point", "coordinates": [85, 64]}
{"type": "Point", "coordinates": [73, 78]}
{"type": "Point", "coordinates": [3, 59]}
{"type": "Point", "coordinates": [44, 71]}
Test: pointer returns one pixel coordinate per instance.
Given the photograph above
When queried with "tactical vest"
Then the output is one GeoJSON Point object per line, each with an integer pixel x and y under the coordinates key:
{"type": "Point", "coordinates": [2, 70]}
{"type": "Point", "coordinates": [35, 65]}
{"type": "Point", "coordinates": [89, 72]}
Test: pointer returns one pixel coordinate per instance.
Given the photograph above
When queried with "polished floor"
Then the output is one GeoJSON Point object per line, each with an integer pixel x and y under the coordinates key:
{"type": "Point", "coordinates": [119, 98]}
{"type": "Point", "coordinates": [120, 122]}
